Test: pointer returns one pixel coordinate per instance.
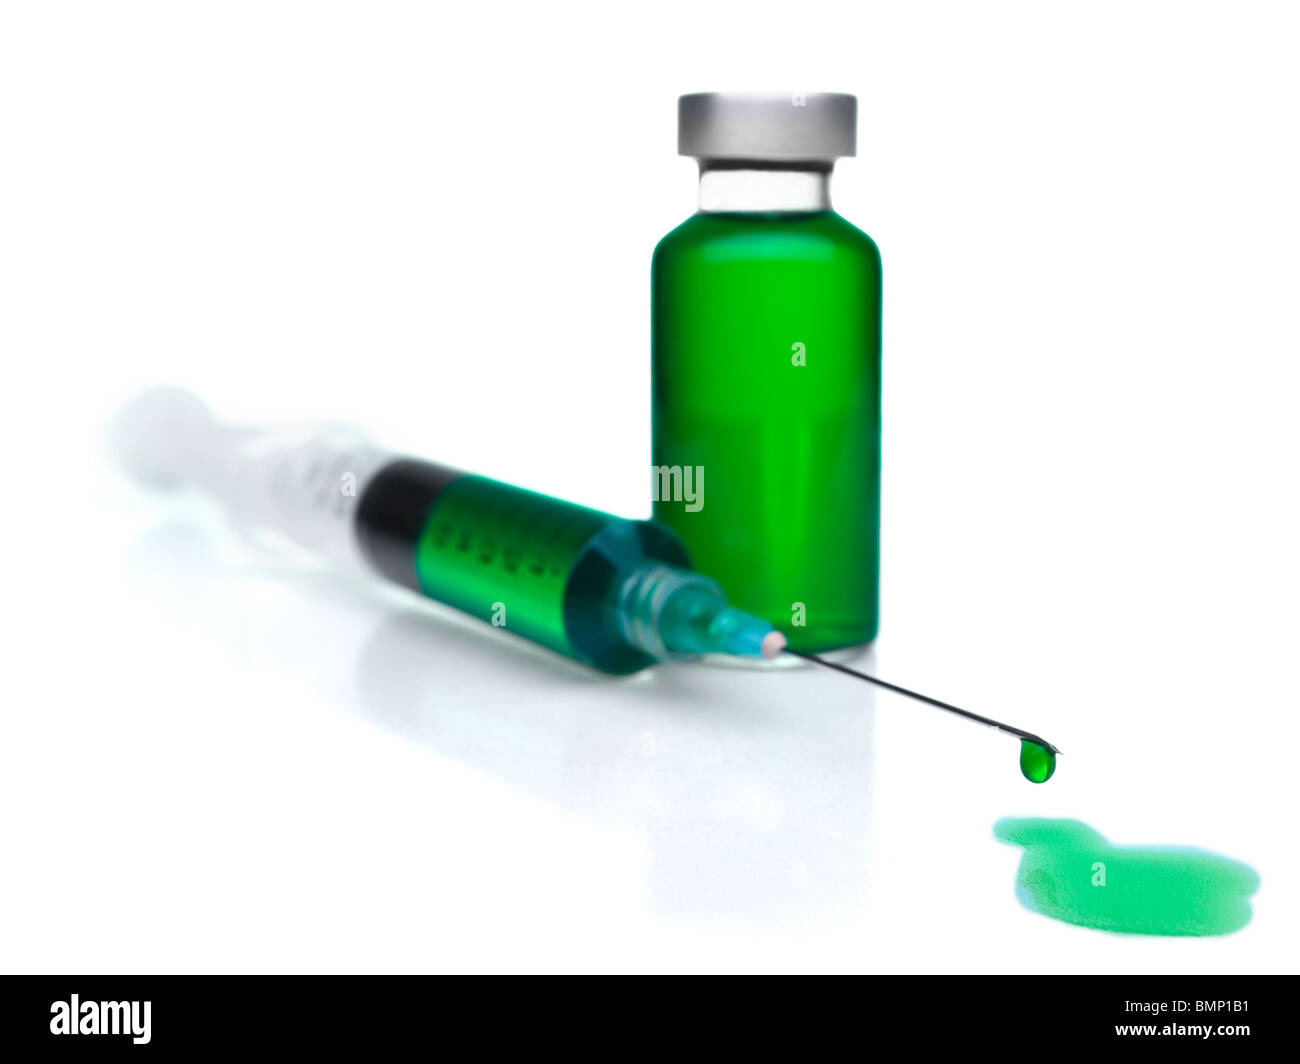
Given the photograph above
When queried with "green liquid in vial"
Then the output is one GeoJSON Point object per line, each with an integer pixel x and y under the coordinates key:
{"type": "Point", "coordinates": [789, 515]}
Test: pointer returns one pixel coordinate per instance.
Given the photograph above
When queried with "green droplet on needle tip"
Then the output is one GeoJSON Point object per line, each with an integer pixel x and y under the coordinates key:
{"type": "Point", "coordinates": [1037, 758]}
{"type": "Point", "coordinates": [1037, 762]}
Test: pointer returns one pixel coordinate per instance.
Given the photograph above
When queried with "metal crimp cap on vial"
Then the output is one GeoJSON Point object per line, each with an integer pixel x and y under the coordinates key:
{"type": "Point", "coordinates": [767, 127]}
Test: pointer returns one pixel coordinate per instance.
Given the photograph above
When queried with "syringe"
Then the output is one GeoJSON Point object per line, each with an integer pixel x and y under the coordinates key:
{"type": "Point", "coordinates": [614, 593]}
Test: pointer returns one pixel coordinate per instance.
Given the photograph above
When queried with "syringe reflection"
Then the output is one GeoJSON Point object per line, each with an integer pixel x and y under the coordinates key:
{"type": "Point", "coordinates": [751, 788]}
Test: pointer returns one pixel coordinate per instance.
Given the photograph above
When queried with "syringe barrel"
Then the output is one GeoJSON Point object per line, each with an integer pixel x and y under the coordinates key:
{"type": "Point", "coordinates": [534, 565]}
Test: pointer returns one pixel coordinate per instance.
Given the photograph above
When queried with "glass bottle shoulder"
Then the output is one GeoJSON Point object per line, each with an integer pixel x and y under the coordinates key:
{"type": "Point", "coordinates": [723, 235]}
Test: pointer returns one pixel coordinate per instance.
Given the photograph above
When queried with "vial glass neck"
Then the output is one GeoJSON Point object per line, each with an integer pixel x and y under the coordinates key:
{"type": "Point", "coordinates": [761, 188]}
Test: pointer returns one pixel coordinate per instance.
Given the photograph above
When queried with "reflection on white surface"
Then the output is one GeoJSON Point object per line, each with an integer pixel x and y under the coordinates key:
{"type": "Point", "coordinates": [320, 776]}
{"type": "Point", "coordinates": [753, 802]}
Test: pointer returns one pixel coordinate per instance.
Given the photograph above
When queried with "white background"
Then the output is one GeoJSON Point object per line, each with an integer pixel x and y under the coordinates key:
{"type": "Point", "coordinates": [436, 221]}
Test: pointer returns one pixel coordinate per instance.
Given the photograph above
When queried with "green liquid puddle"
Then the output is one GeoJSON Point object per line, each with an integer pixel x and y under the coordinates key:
{"type": "Point", "coordinates": [1037, 763]}
{"type": "Point", "coordinates": [1071, 873]}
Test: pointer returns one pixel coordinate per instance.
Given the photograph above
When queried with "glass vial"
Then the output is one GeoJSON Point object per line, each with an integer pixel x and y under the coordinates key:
{"type": "Point", "coordinates": [766, 369]}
